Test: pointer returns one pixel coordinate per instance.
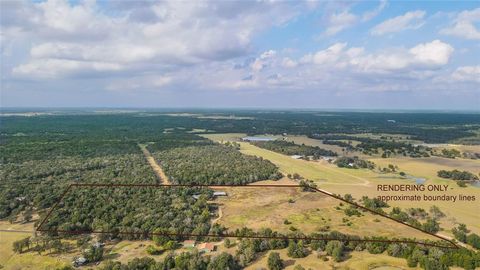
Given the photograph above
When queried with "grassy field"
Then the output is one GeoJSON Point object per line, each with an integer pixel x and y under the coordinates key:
{"type": "Point", "coordinates": [13, 261]}
{"type": "Point", "coordinates": [364, 182]}
{"type": "Point", "coordinates": [357, 261]}
{"type": "Point", "coordinates": [308, 212]}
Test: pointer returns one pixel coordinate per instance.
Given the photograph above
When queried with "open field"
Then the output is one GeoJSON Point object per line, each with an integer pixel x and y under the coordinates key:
{"type": "Point", "coordinates": [364, 182]}
{"type": "Point", "coordinates": [308, 212]}
{"type": "Point", "coordinates": [358, 261]}
{"type": "Point", "coordinates": [14, 261]}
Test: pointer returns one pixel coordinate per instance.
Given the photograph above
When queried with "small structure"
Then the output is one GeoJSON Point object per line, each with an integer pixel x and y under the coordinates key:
{"type": "Point", "coordinates": [79, 261]}
{"type": "Point", "coordinates": [206, 247]}
{"type": "Point", "coordinates": [296, 156]}
{"type": "Point", "coordinates": [219, 193]}
{"type": "Point", "coordinates": [196, 196]}
{"type": "Point", "coordinates": [189, 243]}
{"type": "Point", "coordinates": [98, 244]}
{"type": "Point", "coordinates": [391, 121]}
{"type": "Point", "coordinates": [350, 164]}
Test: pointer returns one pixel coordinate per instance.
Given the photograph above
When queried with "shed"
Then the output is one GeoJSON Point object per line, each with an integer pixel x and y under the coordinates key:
{"type": "Point", "coordinates": [219, 193]}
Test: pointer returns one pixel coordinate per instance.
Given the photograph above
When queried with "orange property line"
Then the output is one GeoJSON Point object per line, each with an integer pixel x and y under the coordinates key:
{"type": "Point", "coordinates": [39, 228]}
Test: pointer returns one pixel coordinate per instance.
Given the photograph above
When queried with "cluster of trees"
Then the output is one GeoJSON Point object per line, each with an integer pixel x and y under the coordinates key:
{"type": "Point", "coordinates": [183, 261]}
{"type": "Point", "coordinates": [354, 163]}
{"type": "Point", "coordinates": [413, 215]}
{"type": "Point", "coordinates": [38, 184]}
{"type": "Point", "coordinates": [41, 244]}
{"type": "Point", "coordinates": [462, 234]}
{"type": "Point", "coordinates": [457, 175]}
{"type": "Point", "coordinates": [214, 164]}
{"type": "Point", "coordinates": [371, 146]}
{"type": "Point", "coordinates": [392, 147]}
{"type": "Point", "coordinates": [450, 153]}
{"type": "Point", "coordinates": [133, 213]}
{"type": "Point", "coordinates": [291, 148]}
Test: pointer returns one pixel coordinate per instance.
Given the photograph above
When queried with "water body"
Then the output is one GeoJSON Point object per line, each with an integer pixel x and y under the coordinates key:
{"type": "Point", "coordinates": [475, 184]}
{"type": "Point", "coordinates": [258, 139]}
{"type": "Point", "coordinates": [418, 180]}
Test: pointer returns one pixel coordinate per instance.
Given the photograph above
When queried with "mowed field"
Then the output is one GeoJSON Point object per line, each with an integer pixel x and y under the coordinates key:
{"type": "Point", "coordinates": [362, 182]}
{"type": "Point", "coordinates": [307, 212]}
{"type": "Point", "coordinates": [31, 260]}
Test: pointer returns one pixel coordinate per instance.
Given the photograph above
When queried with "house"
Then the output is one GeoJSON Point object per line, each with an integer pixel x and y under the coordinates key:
{"type": "Point", "coordinates": [206, 247]}
{"type": "Point", "coordinates": [189, 243]}
{"type": "Point", "coordinates": [296, 156]}
{"type": "Point", "coordinates": [79, 261]}
{"type": "Point", "coordinates": [219, 193]}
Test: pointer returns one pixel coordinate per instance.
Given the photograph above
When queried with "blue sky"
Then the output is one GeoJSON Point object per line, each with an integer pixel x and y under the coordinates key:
{"type": "Point", "coordinates": [360, 55]}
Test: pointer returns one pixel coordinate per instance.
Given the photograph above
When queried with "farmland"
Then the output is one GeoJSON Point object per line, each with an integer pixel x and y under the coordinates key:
{"type": "Point", "coordinates": [98, 155]}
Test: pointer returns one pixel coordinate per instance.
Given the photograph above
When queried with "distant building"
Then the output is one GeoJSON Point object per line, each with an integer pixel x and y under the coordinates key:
{"type": "Point", "coordinates": [206, 247]}
{"type": "Point", "coordinates": [189, 243]}
{"type": "Point", "coordinates": [196, 196]}
{"type": "Point", "coordinates": [219, 193]}
{"type": "Point", "coordinates": [79, 261]}
{"type": "Point", "coordinates": [296, 156]}
{"type": "Point", "coordinates": [391, 121]}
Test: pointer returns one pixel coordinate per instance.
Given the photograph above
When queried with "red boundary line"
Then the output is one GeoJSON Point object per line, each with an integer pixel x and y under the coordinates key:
{"type": "Point", "coordinates": [454, 245]}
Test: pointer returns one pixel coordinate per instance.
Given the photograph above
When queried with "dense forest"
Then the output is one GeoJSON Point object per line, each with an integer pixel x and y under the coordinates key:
{"type": "Point", "coordinates": [290, 148]}
{"type": "Point", "coordinates": [137, 211]}
{"type": "Point", "coordinates": [214, 164]}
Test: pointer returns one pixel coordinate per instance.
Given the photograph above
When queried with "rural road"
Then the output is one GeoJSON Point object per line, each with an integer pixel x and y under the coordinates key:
{"type": "Point", "coordinates": [162, 177]}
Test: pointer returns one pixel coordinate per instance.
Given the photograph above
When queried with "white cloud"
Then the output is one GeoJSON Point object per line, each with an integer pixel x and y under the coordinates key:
{"type": "Point", "coordinates": [464, 25]}
{"type": "Point", "coordinates": [373, 13]}
{"type": "Point", "coordinates": [433, 53]}
{"type": "Point", "coordinates": [410, 20]}
{"type": "Point", "coordinates": [423, 56]}
{"type": "Point", "coordinates": [339, 21]}
{"type": "Point", "coordinates": [467, 73]}
{"type": "Point", "coordinates": [289, 63]}
{"type": "Point", "coordinates": [176, 33]}
{"type": "Point", "coordinates": [53, 68]}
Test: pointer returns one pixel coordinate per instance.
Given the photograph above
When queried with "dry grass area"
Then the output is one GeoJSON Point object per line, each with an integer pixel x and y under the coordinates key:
{"type": "Point", "coordinates": [14, 261]}
{"type": "Point", "coordinates": [308, 212]}
{"type": "Point", "coordinates": [364, 182]}
{"type": "Point", "coordinates": [357, 261]}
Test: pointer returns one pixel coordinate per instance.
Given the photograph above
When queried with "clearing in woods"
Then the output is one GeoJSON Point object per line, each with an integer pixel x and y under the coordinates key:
{"type": "Point", "coordinates": [162, 177]}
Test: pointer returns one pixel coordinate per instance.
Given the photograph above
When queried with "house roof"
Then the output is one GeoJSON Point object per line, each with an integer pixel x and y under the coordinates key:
{"type": "Point", "coordinates": [208, 246]}
{"type": "Point", "coordinates": [189, 242]}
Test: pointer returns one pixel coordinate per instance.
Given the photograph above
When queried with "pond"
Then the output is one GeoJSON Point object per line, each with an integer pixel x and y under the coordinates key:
{"type": "Point", "coordinates": [258, 139]}
{"type": "Point", "coordinates": [418, 180]}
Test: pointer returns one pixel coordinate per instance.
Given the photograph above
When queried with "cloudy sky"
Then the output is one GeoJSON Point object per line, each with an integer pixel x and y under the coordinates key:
{"type": "Point", "coordinates": [266, 54]}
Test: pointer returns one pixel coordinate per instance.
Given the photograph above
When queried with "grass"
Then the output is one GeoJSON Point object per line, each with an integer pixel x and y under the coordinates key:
{"type": "Point", "coordinates": [310, 212]}
{"type": "Point", "coordinates": [358, 261]}
{"type": "Point", "coordinates": [14, 261]}
{"type": "Point", "coordinates": [364, 182]}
